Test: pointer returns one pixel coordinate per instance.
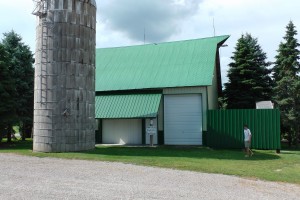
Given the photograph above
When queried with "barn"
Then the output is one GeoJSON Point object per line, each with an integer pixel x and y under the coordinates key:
{"type": "Point", "coordinates": [162, 90]}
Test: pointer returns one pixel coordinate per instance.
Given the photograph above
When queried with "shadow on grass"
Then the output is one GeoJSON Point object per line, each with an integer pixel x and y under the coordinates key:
{"type": "Point", "coordinates": [292, 148]}
{"type": "Point", "coordinates": [179, 152]}
{"type": "Point", "coordinates": [16, 145]}
{"type": "Point", "coordinates": [290, 152]}
{"type": "Point", "coordinates": [194, 152]}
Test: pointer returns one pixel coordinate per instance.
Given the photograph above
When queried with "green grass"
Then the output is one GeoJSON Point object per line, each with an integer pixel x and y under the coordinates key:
{"type": "Point", "coordinates": [265, 164]}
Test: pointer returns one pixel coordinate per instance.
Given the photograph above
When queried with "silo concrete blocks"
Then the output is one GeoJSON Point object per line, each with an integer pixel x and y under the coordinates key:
{"type": "Point", "coordinates": [64, 91]}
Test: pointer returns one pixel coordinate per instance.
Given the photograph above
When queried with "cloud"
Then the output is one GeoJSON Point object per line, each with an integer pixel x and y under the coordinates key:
{"type": "Point", "coordinates": [16, 15]}
{"type": "Point", "coordinates": [159, 19]}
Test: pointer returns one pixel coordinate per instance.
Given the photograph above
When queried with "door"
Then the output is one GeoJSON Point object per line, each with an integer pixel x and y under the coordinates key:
{"type": "Point", "coordinates": [183, 119]}
{"type": "Point", "coordinates": [122, 131]}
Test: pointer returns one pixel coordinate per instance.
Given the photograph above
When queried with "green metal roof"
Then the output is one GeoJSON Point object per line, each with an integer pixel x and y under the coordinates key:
{"type": "Point", "coordinates": [171, 64]}
{"type": "Point", "coordinates": [127, 106]}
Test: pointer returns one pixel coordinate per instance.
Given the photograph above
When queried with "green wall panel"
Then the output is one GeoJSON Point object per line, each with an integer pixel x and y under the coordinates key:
{"type": "Point", "coordinates": [225, 128]}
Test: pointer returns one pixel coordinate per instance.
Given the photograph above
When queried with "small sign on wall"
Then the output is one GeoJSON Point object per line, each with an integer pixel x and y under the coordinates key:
{"type": "Point", "coordinates": [151, 130]}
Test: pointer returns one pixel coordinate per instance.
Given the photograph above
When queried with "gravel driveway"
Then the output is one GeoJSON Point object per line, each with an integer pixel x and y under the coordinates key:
{"type": "Point", "coordinates": [32, 178]}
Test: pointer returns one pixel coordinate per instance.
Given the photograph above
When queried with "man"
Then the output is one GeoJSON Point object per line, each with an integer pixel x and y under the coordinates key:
{"type": "Point", "coordinates": [247, 140]}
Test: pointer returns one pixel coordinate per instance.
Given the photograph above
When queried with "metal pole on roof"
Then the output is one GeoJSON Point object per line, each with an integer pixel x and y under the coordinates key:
{"type": "Point", "coordinates": [144, 35]}
{"type": "Point", "coordinates": [214, 27]}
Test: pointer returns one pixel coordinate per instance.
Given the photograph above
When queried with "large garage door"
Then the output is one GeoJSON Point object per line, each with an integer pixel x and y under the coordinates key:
{"type": "Point", "coordinates": [122, 131]}
{"type": "Point", "coordinates": [183, 119]}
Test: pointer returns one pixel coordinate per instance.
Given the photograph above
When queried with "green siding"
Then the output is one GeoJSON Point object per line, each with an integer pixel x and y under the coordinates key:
{"type": "Point", "coordinates": [225, 128]}
{"type": "Point", "coordinates": [127, 106]}
{"type": "Point", "coordinates": [143, 131]}
{"type": "Point", "coordinates": [161, 138]}
{"type": "Point", "coordinates": [171, 64]}
{"type": "Point", "coordinates": [98, 135]}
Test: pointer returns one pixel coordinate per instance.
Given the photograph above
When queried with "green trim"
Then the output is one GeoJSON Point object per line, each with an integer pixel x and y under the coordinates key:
{"type": "Point", "coordinates": [219, 76]}
{"type": "Point", "coordinates": [160, 137]}
{"type": "Point", "coordinates": [204, 138]}
{"type": "Point", "coordinates": [163, 113]}
{"type": "Point", "coordinates": [143, 131]}
{"type": "Point", "coordinates": [161, 134]}
{"type": "Point", "coordinates": [98, 136]}
{"type": "Point", "coordinates": [126, 92]}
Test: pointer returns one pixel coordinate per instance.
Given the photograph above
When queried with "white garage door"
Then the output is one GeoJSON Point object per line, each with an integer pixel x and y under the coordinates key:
{"type": "Point", "coordinates": [122, 131]}
{"type": "Point", "coordinates": [183, 119]}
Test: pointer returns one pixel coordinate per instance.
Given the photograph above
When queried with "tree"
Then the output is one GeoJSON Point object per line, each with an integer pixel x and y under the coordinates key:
{"type": "Point", "coordinates": [287, 82]}
{"type": "Point", "coordinates": [248, 75]}
{"type": "Point", "coordinates": [7, 92]}
{"type": "Point", "coordinates": [22, 71]}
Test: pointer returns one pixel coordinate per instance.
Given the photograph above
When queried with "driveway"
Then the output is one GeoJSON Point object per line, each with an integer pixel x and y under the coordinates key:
{"type": "Point", "coordinates": [33, 178]}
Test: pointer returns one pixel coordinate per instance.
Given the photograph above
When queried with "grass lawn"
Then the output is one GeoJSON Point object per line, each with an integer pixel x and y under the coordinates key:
{"type": "Point", "coordinates": [265, 164]}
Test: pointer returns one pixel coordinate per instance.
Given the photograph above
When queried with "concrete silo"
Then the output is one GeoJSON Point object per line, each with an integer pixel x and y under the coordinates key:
{"type": "Point", "coordinates": [64, 91]}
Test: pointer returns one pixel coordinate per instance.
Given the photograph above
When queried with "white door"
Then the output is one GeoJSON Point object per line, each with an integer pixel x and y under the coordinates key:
{"type": "Point", "coordinates": [122, 131]}
{"type": "Point", "coordinates": [183, 119]}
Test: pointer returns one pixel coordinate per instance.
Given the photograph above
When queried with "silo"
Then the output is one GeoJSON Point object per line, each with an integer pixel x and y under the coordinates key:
{"type": "Point", "coordinates": [64, 90]}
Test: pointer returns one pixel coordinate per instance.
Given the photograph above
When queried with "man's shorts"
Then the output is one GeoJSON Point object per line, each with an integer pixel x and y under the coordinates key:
{"type": "Point", "coordinates": [247, 144]}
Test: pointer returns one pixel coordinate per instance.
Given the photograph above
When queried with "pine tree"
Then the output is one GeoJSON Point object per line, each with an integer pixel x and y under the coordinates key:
{"type": "Point", "coordinates": [21, 69]}
{"type": "Point", "coordinates": [7, 92]}
{"type": "Point", "coordinates": [248, 75]}
{"type": "Point", "coordinates": [287, 82]}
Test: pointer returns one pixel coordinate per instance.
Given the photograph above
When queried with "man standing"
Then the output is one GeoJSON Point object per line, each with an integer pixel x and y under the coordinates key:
{"type": "Point", "coordinates": [247, 139]}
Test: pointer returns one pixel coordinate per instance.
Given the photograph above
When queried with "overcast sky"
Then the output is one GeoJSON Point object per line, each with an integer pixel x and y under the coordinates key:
{"type": "Point", "coordinates": [124, 22]}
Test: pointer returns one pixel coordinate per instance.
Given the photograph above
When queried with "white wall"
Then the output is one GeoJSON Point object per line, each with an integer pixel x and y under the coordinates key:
{"type": "Point", "coordinates": [212, 93]}
{"type": "Point", "coordinates": [122, 131]}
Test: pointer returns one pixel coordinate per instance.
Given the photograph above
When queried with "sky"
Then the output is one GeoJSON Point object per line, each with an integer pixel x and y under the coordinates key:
{"type": "Point", "coordinates": [135, 22]}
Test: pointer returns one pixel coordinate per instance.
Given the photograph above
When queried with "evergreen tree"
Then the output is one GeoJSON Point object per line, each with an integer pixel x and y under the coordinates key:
{"type": "Point", "coordinates": [248, 75]}
{"type": "Point", "coordinates": [287, 82]}
{"type": "Point", "coordinates": [21, 69]}
{"type": "Point", "coordinates": [7, 92]}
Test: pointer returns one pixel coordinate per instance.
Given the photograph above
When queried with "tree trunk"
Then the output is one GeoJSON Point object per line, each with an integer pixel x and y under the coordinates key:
{"type": "Point", "coordinates": [290, 138]}
{"type": "Point", "coordinates": [2, 130]}
{"type": "Point", "coordinates": [23, 135]}
{"type": "Point", "coordinates": [9, 131]}
{"type": "Point", "coordinates": [297, 135]}
{"type": "Point", "coordinates": [23, 131]}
